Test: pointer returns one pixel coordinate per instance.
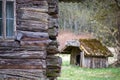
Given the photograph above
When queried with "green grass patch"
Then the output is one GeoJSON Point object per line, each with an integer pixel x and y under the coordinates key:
{"type": "Point", "coordinates": [70, 72]}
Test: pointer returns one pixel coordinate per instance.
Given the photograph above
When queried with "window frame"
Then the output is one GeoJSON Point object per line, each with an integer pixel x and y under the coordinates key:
{"type": "Point", "coordinates": [4, 20]}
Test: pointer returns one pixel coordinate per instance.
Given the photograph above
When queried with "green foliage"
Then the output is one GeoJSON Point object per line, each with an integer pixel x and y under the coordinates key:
{"type": "Point", "coordinates": [70, 72]}
{"type": "Point", "coordinates": [97, 17]}
{"type": "Point", "coordinates": [77, 73]}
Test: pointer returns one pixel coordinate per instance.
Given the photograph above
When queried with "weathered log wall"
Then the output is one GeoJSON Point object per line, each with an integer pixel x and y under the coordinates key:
{"type": "Point", "coordinates": [31, 55]}
{"type": "Point", "coordinates": [53, 62]}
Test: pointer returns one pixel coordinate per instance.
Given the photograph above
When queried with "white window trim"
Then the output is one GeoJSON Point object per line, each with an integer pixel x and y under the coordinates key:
{"type": "Point", "coordinates": [4, 19]}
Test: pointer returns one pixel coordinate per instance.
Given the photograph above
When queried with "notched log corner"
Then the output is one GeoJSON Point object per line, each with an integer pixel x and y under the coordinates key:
{"type": "Point", "coordinates": [53, 66]}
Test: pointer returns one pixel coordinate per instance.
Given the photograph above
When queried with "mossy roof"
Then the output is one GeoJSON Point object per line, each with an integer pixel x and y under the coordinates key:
{"type": "Point", "coordinates": [94, 47]}
{"type": "Point", "coordinates": [91, 47]}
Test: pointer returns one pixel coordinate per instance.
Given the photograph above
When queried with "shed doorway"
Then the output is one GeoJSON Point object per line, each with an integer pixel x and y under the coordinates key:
{"type": "Point", "coordinates": [78, 60]}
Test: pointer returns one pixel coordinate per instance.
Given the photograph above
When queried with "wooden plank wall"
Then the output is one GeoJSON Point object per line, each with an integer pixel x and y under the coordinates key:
{"type": "Point", "coordinates": [95, 62]}
{"type": "Point", "coordinates": [31, 55]}
{"type": "Point", "coordinates": [88, 62]}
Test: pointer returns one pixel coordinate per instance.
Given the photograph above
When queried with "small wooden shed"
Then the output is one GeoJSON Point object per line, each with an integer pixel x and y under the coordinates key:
{"type": "Point", "coordinates": [91, 53]}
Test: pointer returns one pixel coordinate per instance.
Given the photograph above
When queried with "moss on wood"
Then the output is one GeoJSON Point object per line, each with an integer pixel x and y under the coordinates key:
{"type": "Point", "coordinates": [95, 48]}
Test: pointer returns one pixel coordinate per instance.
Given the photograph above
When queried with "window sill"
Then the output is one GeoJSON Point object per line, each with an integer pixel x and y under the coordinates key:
{"type": "Point", "coordinates": [7, 40]}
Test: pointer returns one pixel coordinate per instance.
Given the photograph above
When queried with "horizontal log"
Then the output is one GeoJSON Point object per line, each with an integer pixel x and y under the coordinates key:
{"type": "Point", "coordinates": [33, 3]}
{"type": "Point", "coordinates": [32, 48]}
{"type": "Point", "coordinates": [52, 50]}
{"type": "Point", "coordinates": [52, 1]}
{"type": "Point", "coordinates": [22, 64]}
{"type": "Point", "coordinates": [23, 55]}
{"type": "Point", "coordinates": [23, 1]}
{"type": "Point", "coordinates": [27, 1]}
{"type": "Point", "coordinates": [38, 35]}
{"type": "Point", "coordinates": [41, 10]}
{"type": "Point", "coordinates": [52, 74]}
{"type": "Point", "coordinates": [34, 26]}
{"type": "Point", "coordinates": [33, 23]}
{"type": "Point", "coordinates": [33, 29]}
{"type": "Point", "coordinates": [53, 70]}
{"type": "Point", "coordinates": [54, 43]}
{"type": "Point", "coordinates": [41, 44]}
{"type": "Point", "coordinates": [52, 78]}
{"type": "Point", "coordinates": [54, 16]}
{"type": "Point", "coordinates": [20, 78]}
{"type": "Point", "coordinates": [34, 15]}
{"type": "Point", "coordinates": [28, 48]}
{"type": "Point", "coordinates": [53, 6]}
{"type": "Point", "coordinates": [53, 66]}
{"type": "Point", "coordinates": [22, 74]}
{"type": "Point", "coordinates": [53, 32]}
{"type": "Point", "coordinates": [25, 38]}
{"type": "Point", "coordinates": [54, 62]}
{"type": "Point", "coordinates": [53, 22]}
{"type": "Point", "coordinates": [53, 9]}
{"type": "Point", "coordinates": [9, 44]}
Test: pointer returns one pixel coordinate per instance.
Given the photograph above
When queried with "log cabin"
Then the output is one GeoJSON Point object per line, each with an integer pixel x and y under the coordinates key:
{"type": "Point", "coordinates": [28, 30]}
{"type": "Point", "coordinates": [90, 53]}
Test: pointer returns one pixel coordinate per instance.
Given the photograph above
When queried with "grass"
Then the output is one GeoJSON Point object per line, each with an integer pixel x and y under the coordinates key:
{"type": "Point", "coordinates": [70, 72]}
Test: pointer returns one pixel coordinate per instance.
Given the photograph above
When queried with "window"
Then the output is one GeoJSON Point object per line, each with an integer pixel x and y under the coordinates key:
{"type": "Point", "coordinates": [7, 19]}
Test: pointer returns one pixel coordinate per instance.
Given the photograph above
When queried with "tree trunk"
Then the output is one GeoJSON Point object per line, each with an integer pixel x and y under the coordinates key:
{"type": "Point", "coordinates": [118, 57]}
{"type": "Point", "coordinates": [117, 63]}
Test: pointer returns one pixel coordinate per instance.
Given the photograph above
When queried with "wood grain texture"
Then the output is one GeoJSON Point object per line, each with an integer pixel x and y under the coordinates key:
{"type": "Point", "coordinates": [53, 22]}
{"type": "Point", "coordinates": [52, 49]}
{"type": "Point", "coordinates": [22, 74]}
{"type": "Point", "coordinates": [9, 44]}
{"type": "Point", "coordinates": [22, 64]}
{"type": "Point", "coordinates": [26, 58]}
{"type": "Point", "coordinates": [53, 6]}
{"type": "Point", "coordinates": [34, 15]}
{"type": "Point", "coordinates": [53, 66]}
{"type": "Point", "coordinates": [42, 44]}
{"type": "Point", "coordinates": [28, 48]}
{"type": "Point", "coordinates": [22, 35]}
{"type": "Point", "coordinates": [23, 55]}
{"type": "Point", "coordinates": [31, 25]}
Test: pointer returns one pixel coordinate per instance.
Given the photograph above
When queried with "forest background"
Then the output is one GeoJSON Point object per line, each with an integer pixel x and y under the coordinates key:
{"type": "Point", "coordinates": [95, 17]}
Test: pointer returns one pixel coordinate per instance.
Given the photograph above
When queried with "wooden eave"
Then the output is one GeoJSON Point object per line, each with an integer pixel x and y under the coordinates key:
{"type": "Point", "coordinates": [67, 49]}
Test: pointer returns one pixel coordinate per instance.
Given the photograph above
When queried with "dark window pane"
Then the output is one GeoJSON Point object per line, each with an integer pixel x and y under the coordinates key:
{"type": "Point", "coordinates": [0, 9]}
{"type": "Point", "coordinates": [10, 9]}
{"type": "Point", "coordinates": [10, 19]}
{"type": "Point", "coordinates": [0, 18]}
{"type": "Point", "coordinates": [0, 27]}
{"type": "Point", "coordinates": [9, 28]}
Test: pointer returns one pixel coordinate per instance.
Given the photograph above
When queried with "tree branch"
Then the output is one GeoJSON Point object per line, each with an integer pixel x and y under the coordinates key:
{"type": "Point", "coordinates": [118, 3]}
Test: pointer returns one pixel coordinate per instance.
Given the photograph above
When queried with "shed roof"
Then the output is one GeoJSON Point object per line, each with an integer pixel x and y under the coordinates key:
{"type": "Point", "coordinates": [91, 47]}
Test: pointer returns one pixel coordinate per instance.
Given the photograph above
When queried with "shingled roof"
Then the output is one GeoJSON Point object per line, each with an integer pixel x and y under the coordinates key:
{"type": "Point", "coordinates": [91, 47]}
